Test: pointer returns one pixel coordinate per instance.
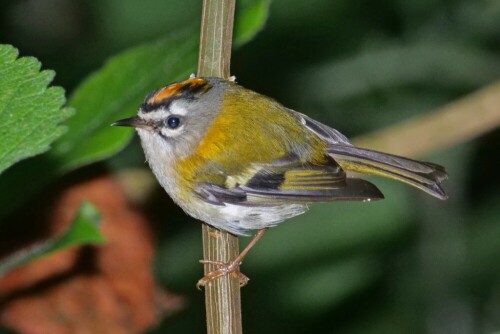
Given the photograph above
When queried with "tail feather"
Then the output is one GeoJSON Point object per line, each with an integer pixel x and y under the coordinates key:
{"type": "Point", "coordinates": [422, 175]}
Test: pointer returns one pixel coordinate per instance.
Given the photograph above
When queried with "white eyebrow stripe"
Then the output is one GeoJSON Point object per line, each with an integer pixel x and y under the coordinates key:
{"type": "Point", "coordinates": [155, 115]}
{"type": "Point", "coordinates": [162, 113]}
{"type": "Point", "coordinates": [176, 109]}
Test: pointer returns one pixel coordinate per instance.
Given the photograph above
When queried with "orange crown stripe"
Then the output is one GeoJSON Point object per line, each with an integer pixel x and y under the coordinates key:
{"type": "Point", "coordinates": [177, 89]}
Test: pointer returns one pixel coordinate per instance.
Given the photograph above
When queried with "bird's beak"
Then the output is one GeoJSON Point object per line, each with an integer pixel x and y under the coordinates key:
{"type": "Point", "coordinates": [135, 122]}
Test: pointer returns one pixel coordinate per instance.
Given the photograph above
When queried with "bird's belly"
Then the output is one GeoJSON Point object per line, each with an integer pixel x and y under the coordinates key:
{"type": "Point", "coordinates": [239, 219]}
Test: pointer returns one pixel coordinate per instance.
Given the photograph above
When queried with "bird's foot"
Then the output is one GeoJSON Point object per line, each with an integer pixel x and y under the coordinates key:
{"type": "Point", "coordinates": [231, 268]}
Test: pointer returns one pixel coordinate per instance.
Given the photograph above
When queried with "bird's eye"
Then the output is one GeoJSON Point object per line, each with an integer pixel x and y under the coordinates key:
{"type": "Point", "coordinates": [173, 122]}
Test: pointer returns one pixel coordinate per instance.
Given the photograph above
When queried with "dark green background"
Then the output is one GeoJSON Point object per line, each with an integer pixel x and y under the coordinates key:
{"type": "Point", "coordinates": [408, 264]}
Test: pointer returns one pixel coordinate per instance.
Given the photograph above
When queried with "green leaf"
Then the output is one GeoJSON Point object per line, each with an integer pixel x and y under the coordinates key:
{"type": "Point", "coordinates": [30, 113]}
{"type": "Point", "coordinates": [115, 92]}
{"type": "Point", "coordinates": [112, 93]}
{"type": "Point", "coordinates": [83, 231]}
{"type": "Point", "coordinates": [251, 15]}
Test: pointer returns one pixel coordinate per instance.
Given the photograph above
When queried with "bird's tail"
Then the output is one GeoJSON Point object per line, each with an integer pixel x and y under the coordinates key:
{"type": "Point", "coordinates": [422, 175]}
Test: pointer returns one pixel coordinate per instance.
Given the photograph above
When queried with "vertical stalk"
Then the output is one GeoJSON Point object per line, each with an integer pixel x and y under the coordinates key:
{"type": "Point", "coordinates": [222, 296]}
{"type": "Point", "coordinates": [216, 38]}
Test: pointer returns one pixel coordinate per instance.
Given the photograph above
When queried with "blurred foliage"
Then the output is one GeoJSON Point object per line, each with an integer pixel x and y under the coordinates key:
{"type": "Point", "coordinates": [82, 231]}
{"type": "Point", "coordinates": [115, 91]}
{"type": "Point", "coordinates": [409, 263]}
{"type": "Point", "coordinates": [251, 16]}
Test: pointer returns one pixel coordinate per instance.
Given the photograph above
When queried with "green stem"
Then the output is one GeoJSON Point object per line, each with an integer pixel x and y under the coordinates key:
{"type": "Point", "coordinates": [222, 296]}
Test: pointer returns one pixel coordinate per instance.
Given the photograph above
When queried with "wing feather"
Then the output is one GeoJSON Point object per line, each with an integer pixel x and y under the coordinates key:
{"type": "Point", "coordinates": [277, 184]}
{"type": "Point", "coordinates": [328, 134]}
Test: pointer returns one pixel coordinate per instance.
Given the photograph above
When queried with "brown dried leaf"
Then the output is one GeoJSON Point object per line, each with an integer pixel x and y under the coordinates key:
{"type": "Point", "coordinates": [94, 289]}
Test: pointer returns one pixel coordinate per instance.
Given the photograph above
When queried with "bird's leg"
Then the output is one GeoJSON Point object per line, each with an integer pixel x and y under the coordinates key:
{"type": "Point", "coordinates": [232, 267]}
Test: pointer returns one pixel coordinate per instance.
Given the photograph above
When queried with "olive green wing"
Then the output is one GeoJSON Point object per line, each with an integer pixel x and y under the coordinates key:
{"type": "Point", "coordinates": [289, 181]}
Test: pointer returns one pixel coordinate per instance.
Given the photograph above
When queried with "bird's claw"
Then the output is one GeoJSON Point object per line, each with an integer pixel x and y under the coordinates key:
{"type": "Point", "coordinates": [231, 268]}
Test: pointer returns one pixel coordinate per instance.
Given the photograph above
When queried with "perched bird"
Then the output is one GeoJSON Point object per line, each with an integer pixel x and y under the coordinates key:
{"type": "Point", "coordinates": [240, 161]}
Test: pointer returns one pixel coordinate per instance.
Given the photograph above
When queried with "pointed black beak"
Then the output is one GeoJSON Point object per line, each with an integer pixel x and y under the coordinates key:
{"type": "Point", "coordinates": [135, 122]}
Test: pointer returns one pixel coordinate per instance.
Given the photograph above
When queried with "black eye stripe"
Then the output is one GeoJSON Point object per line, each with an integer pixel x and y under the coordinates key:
{"type": "Point", "coordinates": [147, 107]}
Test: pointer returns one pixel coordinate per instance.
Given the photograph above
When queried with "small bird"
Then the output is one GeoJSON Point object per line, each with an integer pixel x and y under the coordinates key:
{"type": "Point", "coordinates": [240, 161]}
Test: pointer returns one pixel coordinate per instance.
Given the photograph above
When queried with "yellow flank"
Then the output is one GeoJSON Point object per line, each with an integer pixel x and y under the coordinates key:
{"type": "Point", "coordinates": [251, 130]}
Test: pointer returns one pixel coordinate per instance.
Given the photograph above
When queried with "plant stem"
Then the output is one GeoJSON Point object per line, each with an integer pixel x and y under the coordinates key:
{"type": "Point", "coordinates": [222, 296]}
{"type": "Point", "coordinates": [216, 38]}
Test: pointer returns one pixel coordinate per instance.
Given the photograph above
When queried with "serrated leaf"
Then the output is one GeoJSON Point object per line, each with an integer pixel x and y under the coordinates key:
{"type": "Point", "coordinates": [30, 112]}
{"type": "Point", "coordinates": [84, 230]}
